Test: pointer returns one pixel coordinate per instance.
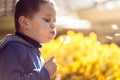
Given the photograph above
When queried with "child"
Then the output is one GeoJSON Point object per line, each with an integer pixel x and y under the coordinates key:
{"type": "Point", "coordinates": [20, 58]}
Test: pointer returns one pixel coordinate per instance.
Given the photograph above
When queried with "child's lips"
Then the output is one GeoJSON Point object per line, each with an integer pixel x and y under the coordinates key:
{"type": "Point", "coordinates": [52, 32]}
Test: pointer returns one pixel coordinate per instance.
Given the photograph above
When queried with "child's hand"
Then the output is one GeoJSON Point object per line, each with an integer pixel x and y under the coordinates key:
{"type": "Point", "coordinates": [51, 65]}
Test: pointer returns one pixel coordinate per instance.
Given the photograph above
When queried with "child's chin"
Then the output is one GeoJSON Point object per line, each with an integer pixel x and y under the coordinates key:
{"type": "Point", "coordinates": [45, 41]}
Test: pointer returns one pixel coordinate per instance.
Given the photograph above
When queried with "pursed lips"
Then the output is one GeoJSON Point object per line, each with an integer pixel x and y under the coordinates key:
{"type": "Point", "coordinates": [52, 32]}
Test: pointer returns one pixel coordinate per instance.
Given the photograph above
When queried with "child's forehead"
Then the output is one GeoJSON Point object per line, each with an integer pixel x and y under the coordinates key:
{"type": "Point", "coordinates": [51, 3]}
{"type": "Point", "coordinates": [48, 9]}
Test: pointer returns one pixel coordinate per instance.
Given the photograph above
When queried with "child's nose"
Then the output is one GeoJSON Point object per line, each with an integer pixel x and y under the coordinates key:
{"type": "Point", "coordinates": [52, 25]}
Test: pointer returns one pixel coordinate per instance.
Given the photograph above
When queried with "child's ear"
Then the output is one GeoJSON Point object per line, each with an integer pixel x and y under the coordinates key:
{"type": "Point", "coordinates": [24, 22]}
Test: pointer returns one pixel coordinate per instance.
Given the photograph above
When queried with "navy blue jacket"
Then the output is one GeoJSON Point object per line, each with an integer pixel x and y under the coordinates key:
{"type": "Point", "coordinates": [19, 60]}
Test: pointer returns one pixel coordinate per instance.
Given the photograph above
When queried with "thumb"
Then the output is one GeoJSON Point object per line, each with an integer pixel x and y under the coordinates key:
{"type": "Point", "coordinates": [51, 59]}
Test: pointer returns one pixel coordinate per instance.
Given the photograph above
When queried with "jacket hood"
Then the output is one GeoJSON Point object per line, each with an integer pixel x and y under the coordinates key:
{"type": "Point", "coordinates": [12, 37]}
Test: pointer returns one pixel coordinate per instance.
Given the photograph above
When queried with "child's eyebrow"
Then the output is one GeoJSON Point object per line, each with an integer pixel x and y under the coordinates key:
{"type": "Point", "coordinates": [48, 15]}
{"type": "Point", "coordinates": [51, 16]}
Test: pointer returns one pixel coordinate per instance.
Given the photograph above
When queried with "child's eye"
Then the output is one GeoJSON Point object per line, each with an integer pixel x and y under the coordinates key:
{"type": "Point", "coordinates": [47, 20]}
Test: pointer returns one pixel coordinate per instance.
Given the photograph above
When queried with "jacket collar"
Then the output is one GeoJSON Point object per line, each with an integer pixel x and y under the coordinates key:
{"type": "Point", "coordinates": [29, 40]}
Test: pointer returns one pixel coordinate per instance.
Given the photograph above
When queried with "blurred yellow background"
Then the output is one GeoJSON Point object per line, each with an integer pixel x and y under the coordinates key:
{"type": "Point", "coordinates": [87, 44]}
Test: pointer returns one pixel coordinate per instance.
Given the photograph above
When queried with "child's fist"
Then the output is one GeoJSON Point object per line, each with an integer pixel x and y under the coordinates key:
{"type": "Point", "coordinates": [51, 65]}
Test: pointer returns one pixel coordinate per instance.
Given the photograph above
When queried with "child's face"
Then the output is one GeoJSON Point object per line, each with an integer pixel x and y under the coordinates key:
{"type": "Point", "coordinates": [42, 26]}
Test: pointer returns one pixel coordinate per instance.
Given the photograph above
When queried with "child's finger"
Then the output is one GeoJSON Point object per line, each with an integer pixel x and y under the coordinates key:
{"type": "Point", "coordinates": [51, 59]}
